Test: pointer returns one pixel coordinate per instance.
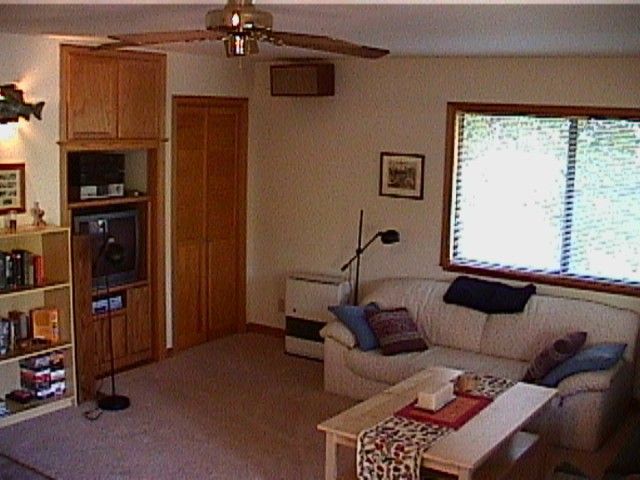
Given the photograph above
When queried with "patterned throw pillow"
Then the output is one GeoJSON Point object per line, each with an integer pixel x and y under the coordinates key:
{"type": "Point", "coordinates": [396, 331]}
{"type": "Point", "coordinates": [552, 356]}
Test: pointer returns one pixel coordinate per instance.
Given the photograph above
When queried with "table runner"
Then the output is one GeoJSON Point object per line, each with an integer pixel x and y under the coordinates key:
{"type": "Point", "coordinates": [393, 449]}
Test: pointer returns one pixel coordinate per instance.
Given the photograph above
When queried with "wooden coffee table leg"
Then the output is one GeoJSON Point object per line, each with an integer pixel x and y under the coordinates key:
{"type": "Point", "coordinates": [331, 457]}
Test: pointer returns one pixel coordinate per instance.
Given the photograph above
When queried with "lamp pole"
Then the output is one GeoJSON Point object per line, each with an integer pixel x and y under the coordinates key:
{"type": "Point", "coordinates": [387, 237]}
{"type": "Point", "coordinates": [358, 254]}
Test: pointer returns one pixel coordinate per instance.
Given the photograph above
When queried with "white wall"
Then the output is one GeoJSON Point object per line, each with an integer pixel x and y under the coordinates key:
{"type": "Point", "coordinates": [315, 161]}
{"type": "Point", "coordinates": [33, 63]}
{"type": "Point", "coordinates": [197, 75]}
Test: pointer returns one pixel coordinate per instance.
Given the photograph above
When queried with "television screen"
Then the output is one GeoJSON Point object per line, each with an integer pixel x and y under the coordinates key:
{"type": "Point", "coordinates": [122, 227]}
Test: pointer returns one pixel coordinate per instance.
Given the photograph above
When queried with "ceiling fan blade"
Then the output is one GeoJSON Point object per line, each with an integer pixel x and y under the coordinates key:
{"type": "Point", "coordinates": [323, 44]}
{"type": "Point", "coordinates": [153, 38]}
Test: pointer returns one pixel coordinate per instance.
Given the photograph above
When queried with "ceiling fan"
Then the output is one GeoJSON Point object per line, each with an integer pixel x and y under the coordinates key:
{"type": "Point", "coordinates": [240, 25]}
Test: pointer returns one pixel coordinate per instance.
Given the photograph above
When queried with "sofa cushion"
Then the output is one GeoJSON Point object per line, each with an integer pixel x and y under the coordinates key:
{"type": "Point", "coordinates": [338, 332]}
{"type": "Point", "coordinates": [395, 330]}
{"type": "Point", "coordinates": [521, 336]}
{"type": "Point", "coordinates": [390, 370]}
{"type": "Point", "coordinates": [488, 297]}
{"type": "Point", "coordinates": [439, 323]}
{"type": "Point", "coordinates": [553, 355]}
{"type": "Point", "coordinates": [354, 317]}
{"type": "Point", "coordinates": [596, 381]}
{"type": "Point", "coordinates": [590, 359]}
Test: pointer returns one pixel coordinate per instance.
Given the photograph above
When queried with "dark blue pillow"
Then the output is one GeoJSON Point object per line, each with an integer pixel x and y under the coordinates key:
{"type": "Point", "coordinates": [595, 357]}
{"type": "Point", "coordinates": [488, 297]}
{"type": "Point", "coordinates": [354, 317]}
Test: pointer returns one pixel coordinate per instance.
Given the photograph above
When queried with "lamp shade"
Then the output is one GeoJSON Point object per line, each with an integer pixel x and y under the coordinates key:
{"type": "Point", "coordinates": [389, 236]}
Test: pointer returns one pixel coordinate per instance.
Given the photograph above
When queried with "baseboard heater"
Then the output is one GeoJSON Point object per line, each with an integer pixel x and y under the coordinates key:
{"type": "Point", "coordinates": [306, 301]}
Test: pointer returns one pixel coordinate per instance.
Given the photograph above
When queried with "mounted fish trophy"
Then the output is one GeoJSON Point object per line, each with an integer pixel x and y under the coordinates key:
{"type": "Point", "coordinates": [13, 107]}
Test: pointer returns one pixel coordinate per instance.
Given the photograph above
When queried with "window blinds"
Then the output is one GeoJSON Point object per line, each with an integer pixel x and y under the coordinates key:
{"type": "Point", "coordinates": [557, 196]}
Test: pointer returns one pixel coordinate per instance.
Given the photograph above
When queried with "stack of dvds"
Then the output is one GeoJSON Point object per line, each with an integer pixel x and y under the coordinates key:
{"type": "Point", "coordinates": [43, 376]}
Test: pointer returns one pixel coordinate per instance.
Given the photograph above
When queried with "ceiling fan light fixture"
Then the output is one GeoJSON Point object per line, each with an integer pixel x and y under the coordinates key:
{"type": "Point", "coordinates": [237, 17]}
{"type": "Point", "coordinates": [240, 45]}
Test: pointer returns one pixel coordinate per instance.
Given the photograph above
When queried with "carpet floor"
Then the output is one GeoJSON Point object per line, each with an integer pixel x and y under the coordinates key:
{"type": "Point", "coordinates": [234, 408]}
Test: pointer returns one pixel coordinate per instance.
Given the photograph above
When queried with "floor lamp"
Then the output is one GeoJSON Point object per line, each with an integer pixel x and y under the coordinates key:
{"type": "Point", "coordinates": [112, 253]}
{"type": "Point", "coordinates": [387, 237]}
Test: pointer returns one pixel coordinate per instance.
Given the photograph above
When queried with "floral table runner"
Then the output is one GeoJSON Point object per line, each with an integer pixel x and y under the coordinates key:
{"type": "Point", "coordinates": [393, 449]}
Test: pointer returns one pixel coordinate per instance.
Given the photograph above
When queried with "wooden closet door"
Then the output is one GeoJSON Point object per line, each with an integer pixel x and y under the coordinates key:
{"type": "Point", "coordinates": [224, 128]}
{"type": "Point", "coordinates": [189, 203]}
{"type": "Point", "coordinates": [211, 136]}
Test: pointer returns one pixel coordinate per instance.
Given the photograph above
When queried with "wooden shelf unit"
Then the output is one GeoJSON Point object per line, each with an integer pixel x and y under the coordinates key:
{"type": "Point", "coordinates": [53, 243]}
{"type": "Point", "coordinates": [109, 202]}
{"type": "Point", "coordinates": [114, 101]}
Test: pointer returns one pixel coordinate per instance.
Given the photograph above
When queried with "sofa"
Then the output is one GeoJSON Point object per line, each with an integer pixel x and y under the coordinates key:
{"type": "Point", "coordinates": [588, 406]}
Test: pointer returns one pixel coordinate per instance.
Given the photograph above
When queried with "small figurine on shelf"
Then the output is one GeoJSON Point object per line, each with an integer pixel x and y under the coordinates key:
{"type": "Point", "coordinates": [38, 216]}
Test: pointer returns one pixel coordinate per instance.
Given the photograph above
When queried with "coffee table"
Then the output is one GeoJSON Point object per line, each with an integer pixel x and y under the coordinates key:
{"type": "Point", "coordinates": [490, 441]}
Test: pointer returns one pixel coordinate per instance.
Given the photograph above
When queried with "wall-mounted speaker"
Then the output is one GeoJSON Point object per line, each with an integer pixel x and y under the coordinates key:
{"type": "Point", "coordinates": [303, 80]}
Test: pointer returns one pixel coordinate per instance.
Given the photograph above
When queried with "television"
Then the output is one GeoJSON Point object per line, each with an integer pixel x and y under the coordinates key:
{"type": "Point", "coordinates": [123, 226]}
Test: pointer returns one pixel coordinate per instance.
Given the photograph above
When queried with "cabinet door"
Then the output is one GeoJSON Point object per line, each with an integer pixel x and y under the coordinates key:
{"type": "Point", "coordinates": [138, 85]}
{"type": "Point", "coordinates": [103, 357]}
{"type": "Point", "coordinates": [92, 96]}
{"type": "Point", "coordinates": [138, 320]}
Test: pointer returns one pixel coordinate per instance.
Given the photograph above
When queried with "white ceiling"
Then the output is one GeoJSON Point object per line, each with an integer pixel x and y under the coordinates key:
{"type": "Point", "coordinates": [414, 29]}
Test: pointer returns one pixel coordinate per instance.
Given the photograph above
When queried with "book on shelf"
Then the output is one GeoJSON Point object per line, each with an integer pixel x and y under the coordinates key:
{"type": "Point", "coordinates": [38, 270]}
{"type": "Point", "coordinates": [21, 268]}
{"type": "Point", "coordinates": [5, 270]}
{"type": "Point", "coordinates": [23, 327]}
{"type": "Point", "coordinates": [45, 324]}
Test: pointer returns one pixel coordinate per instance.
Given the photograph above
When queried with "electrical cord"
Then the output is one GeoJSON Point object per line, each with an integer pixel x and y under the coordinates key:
{"type": "Point", "coordinates": [95, 413]}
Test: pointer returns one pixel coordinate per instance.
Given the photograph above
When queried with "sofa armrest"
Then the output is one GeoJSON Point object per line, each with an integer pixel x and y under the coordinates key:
{"type": "Point", "coordinates": [338, 332]}
{"type": "Point", "coordinates": [597, 381]}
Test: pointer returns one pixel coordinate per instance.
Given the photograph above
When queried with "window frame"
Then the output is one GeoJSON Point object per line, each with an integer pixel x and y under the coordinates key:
{"type": "Point", "coordinates": [450, 164]}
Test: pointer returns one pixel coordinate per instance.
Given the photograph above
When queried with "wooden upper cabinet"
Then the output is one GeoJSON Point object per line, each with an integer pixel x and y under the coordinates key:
{"type": "Point", "coordinates": [139, 112]}
{"type": "Point", "coordinates": [92, 97]}
{"type": "Point", "coordinates": [112, 95]}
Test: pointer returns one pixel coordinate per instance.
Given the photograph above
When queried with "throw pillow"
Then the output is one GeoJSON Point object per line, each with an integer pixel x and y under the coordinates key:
{"type": "Point", "coordinates": [396, 331]}
{"type": "Point", "coordinates": [354, 317]}
{"type": "Point", "coordinates": [596, 357]}
{"type": "Point", "coordinates": [553, 355]}
{"type": "Point", "coordinates": [488, 297]}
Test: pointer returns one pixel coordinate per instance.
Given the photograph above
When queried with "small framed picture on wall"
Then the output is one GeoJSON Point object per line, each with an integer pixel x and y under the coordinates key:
{"type": "Point", "coordinates": [12, 187]}
{"type": "Point", "coordinates": [402, 175]}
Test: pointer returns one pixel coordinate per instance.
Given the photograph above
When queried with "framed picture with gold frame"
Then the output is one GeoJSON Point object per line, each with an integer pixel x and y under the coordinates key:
{"type": "Point", "coordinates": [12, 195]}
{"type": "Point", "coordinates": [402, 175]}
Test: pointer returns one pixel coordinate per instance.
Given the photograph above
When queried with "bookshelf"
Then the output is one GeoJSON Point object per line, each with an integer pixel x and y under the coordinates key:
{"type": "Point", "coordinates": [53, 244]}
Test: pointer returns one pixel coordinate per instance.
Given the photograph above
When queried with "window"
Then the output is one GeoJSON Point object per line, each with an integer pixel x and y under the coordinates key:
{"type": "Point", "coordinates": [544, 194]}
